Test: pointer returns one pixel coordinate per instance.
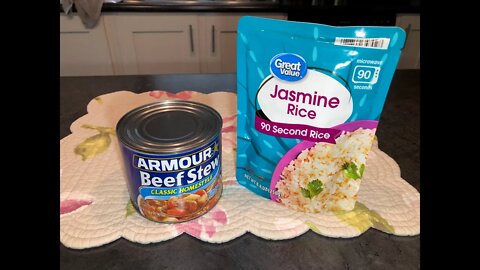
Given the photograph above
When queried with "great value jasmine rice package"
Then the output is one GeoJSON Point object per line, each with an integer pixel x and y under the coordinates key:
{"type": "Point", "coordinates": [309, 100]}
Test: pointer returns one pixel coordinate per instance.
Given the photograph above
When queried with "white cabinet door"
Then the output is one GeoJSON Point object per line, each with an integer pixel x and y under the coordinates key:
{"type": "Point", "coordinates": [218, 37]}
{"type": "Point", "coordinates": [410, 58]}
{"type": "Point", "coordinates": [153, 43]}
{"type": "Point", "coordinates": [83, 52]}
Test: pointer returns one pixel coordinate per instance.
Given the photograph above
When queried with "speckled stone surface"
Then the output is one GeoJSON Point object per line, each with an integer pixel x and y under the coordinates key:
{"type": "Point", "coordinates": [398, 135]}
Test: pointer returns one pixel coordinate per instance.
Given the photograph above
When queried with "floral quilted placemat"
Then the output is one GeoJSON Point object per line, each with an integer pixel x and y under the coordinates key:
{"type": "Point", "coordinates": [95, 208]}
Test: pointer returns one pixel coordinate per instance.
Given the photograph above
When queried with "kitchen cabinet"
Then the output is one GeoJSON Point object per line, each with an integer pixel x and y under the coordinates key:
{"type": "Point", "coordinates": [132, 43]}
{"type": "Point", "coordinates": [218, 39]}
{"type": "Point", "coordinates": [83, 52]}
{"type": "Point", "coordinates": [152, 43]}
{"type": "Point", "coordinates": [159, 43]}
{"type": "Point", "coordinates": [410, 58]}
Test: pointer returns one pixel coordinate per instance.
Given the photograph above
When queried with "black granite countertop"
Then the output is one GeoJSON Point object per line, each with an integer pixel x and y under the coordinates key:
{"type": "Point", "coordinates": [398, 136]}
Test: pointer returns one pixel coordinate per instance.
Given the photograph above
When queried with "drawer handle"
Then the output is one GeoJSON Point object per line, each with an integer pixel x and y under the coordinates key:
{"type": "Point", "coordinates": [407, 30]}
{"type": "Point", "coordinates": [192, 49]}
{"type": "Point", "coordinates": [213, 38]}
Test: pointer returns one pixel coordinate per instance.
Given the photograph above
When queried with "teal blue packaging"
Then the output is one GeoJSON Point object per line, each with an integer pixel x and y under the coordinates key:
{"type": "Point", "coordinates": [309, 100]}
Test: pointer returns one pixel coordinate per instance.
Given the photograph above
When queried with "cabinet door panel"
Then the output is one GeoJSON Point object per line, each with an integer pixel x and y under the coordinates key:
{"type": "Point", "coordinates": [83, 52]}
{"type": "Point", "coordinates": [410, 58]}
{"type": "Point", "coordinates": [163, 52]}
{"type": "Point", "coordinates": [154, 43]}
{"type": "Point", "coordinates": [227, 41]}
{"type": "Point", "coordinates": [219, 40]}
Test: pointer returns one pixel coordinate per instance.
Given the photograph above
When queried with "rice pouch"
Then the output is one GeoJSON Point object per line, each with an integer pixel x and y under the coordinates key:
{"type": "Point", "coordinates": [309, 100]}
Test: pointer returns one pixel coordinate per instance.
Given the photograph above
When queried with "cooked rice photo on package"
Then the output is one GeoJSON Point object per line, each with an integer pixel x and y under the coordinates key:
{"type": "Point", "coordinates": [309, 100]}
{"type": "Point", "coordinates": [326, 176]}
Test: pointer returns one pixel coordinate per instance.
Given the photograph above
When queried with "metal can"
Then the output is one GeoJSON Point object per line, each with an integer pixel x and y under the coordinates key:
{"type": "Point", "coordinates": [172, 159]}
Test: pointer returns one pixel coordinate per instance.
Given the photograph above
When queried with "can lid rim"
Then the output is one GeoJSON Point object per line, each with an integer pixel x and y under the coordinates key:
{"type": "Point", "coordinates": [169, 126]}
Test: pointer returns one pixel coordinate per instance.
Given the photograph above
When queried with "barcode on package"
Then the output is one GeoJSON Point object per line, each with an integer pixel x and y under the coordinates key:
{"type": "Point", "coordinates": [374, 43]}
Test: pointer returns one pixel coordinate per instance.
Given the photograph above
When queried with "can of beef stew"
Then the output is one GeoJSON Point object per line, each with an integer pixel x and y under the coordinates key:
{"type": "Point", "coordinates": [172, 159]}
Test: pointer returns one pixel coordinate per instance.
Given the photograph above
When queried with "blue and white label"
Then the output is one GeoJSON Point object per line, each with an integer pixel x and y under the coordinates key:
{"type": "Point", "coordinates": [366, 74]}
{"type": "Point", "coordinates": [288, 67]}
{"type": "Point", "coordinates": [160, 177]}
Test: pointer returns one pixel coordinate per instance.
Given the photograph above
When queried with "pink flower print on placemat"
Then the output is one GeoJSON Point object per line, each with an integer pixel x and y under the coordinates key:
{"type": "Point", "coordinates": [71, 205]}
{"type": "Point", "coordinates": [180, 95]}
{"type": "Point", "coordinates": [229, 182]}
{"type": "Point", "coordinates": [229, 124]}
{"type": "Point", "coordinates": [229, 130]}
{"type": "Point", "coordinates": [207, 223]}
